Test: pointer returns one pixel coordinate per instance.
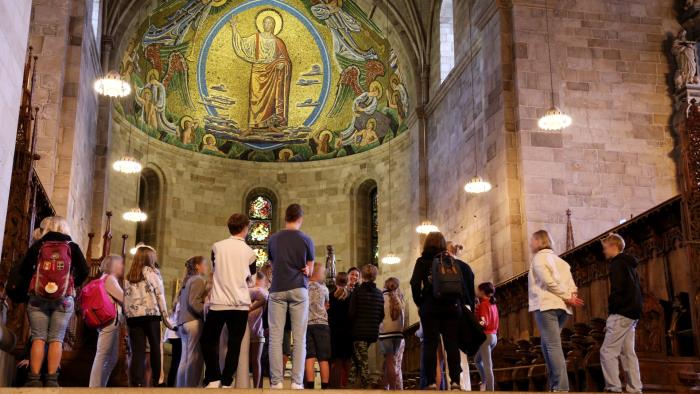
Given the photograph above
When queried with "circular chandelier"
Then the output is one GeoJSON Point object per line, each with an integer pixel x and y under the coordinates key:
{"type": "Point", "coordinates": [427, 228]}
{"type": "Point", "coordinates": [554, 119]}
{"type": "Point", "coordinates": [135, 215]}
{"type": "Point", "coordinates": [112, 85]}
{"type": "Point", "coordinates": [391, 259]}
{"type": "Point", "coordinates": [127, 165]}
{"type": "Point", "coordinates": [477, 185]}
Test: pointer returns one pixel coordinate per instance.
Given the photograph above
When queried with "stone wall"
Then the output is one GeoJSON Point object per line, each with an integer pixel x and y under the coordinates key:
{"type": "Point", "coordinates": [611, 75]}
{"type": "Point", "coordinates": [13, 46]}
{"type": "Point", "coordinates": [200, 192]}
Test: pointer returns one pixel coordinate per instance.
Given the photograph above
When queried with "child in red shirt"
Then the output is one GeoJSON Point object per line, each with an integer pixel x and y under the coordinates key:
{"type": "Point", "coordinates": [487, 315]}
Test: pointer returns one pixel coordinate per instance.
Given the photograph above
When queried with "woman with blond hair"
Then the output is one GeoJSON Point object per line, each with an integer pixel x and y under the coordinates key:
{"type": "Point", "coordinates": [552, 296]}
{"type": "Point", "coordinates": [51, 295]}
{"type": "Point", "coordinates": [107, 353]}
{"type": "Point", "coordinates": [144, 307]}
{"type": "Point", "coordinates": [391, 342]}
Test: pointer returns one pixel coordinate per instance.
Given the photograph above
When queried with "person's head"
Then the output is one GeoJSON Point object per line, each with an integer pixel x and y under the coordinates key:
{"type": "Point", "coordinates": [319, 274]}
{"type": "Point", "coordinates": [487, 290]}
{"type": "Point", "coordinates": [294, 216]}
{"type": "Point", "coordinates": [540, 240]}
{"type": "Point", "coordinates": [260, 279]}
{"type": "Point", "coordinates": [341, 279]}
{"type": "Point", "coordinates": [454, 249]}
{"type": "Point", "coordinates": [371, 124]}
{"type": "Point", "coordinates": [187, 124]}
{"type": "Point", "coordinates": [250, 281]}
{"type": "Point", "coordinates": [55, 224]}
{"type": "Point", "coordinates": [267, 270]}
{"type": "Point", "coordinates": [269, 24]}
{"type": "Point", "coordinates": [434, 243]}
{"type": "Point", "coordinates": [369, 273]}
{"type": "Point", "coordinates": [196, 265]}
{"type": "Point", "coordinates": [613, 244]}
{"type": "Point", "coordinates": [238, 224]}
{"type": "Point", "coordinates": [113, 265]}
{"type": "Point", "coordinates": [353, 276]}
{"type": "Point", "coordinates": [145, 256]}
{"type": "Point", "coordinates": [392, 284]}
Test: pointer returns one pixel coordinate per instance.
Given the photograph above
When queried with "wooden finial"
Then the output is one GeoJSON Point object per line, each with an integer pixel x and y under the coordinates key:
{"type": "Point", "coordinates": [124, 238]}
{"type": "Point", "coordinates": [88, 253]}
{"type": "Point", "coordinates": [569, 231]}
{"type": "Point", "coordinates": [107, 237]}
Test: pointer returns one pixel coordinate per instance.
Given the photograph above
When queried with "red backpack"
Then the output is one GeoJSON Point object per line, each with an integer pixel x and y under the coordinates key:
{"type": "Point", "coordinates": [53, 279]}
{"type": "Point", "coordinates": [99, 310]}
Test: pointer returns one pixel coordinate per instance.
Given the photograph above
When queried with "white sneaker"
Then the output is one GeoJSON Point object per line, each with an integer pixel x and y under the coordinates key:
{"type": "Point", "coordinates": [213, 385]}
{"type": "Point", "coordinates": [278, 386]}
{"type": "Point", "coordinates": [297, 386]}
{"type": "Point", "coordinates": [227, 387]}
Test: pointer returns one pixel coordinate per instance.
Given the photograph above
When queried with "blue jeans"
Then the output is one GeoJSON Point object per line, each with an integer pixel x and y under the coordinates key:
{"type": "Point", "coordinates": [297, 301]}
{"type": "Point", "coordinates": [106, 354]}
{"type": "Point", "coordinates": [484, 363]}
{"type": "Point", "coordinates": [550, 324]}
{"type": "Point", "coordinates": [48, 319]}
{"type": "Point", "coordinates": [618, 346]}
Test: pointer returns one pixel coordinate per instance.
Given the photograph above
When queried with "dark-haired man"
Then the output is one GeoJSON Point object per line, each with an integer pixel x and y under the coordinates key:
{"type": "Point", "coordinates": [292, 255]}
{"type": "Point", "coordinates": [232, 262]}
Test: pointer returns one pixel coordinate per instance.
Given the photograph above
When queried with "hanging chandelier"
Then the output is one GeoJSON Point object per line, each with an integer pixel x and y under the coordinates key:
{"type": "Point", "coordinates": [477, 185]}
{"type": "Point", "coordinates": [112, 85]}
{"type": "Point", "coordinates": [554, 119]}
{"type": "Point", "coordinates": [391, 259]}
{"type": "Point", "coordinates": [426, 228]}
{"type": "Point", "coordinates": [135, 215]}
{"type": "Point", "coordinates": [127, 165]}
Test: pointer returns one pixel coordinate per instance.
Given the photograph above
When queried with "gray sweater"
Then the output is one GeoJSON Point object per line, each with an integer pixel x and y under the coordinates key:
{"type": "Point", "coordinates": [192, 300]}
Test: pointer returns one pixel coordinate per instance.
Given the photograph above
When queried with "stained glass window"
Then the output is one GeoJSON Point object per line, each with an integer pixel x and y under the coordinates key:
{"type": "Point", "coordinates": [260, 210]}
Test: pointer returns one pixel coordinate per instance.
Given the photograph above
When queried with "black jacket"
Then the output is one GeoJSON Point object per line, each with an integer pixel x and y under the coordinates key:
{"type": "Point", "coordinates": [366, 312]}
{"type": "Point", "coordinates": [79, 267]}
{"type": "Point", "coordinates": [625, 293]}
{"type": "Point", "coordinates": [422, 283]}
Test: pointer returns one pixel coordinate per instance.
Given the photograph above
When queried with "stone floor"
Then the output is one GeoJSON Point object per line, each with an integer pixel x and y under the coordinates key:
{"type": "Point", "coordinates": [85, 390]}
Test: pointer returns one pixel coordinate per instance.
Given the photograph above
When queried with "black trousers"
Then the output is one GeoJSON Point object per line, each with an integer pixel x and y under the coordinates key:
{"type": "Point", "coordinates": [436, 322]}
{"type": "Point", "coordinates": [176, 354]}
{"type": "Point", "coordinates": [236, 322]}
{"type": "Point", "coordinates": [141, 329]}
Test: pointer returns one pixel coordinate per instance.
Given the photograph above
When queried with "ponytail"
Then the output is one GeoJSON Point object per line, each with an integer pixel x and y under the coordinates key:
{"type": "Point", "coordinates": [489, 290]}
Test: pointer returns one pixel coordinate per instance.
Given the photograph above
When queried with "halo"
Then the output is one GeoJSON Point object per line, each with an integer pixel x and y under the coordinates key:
{"type": "Point", "coordinates": [272, 14]}
{"type": "Point", "coordinates": [207, 136]}
{"type": "Point", "coordinates": [324, 132]}
{"type": "Point", "coordinates": [218, 3]}
{"type": "Point", "coordinates": [378, 86]}
{"type": "Point", "coordinates": [152, 73]}
{"type": "Point", "coordinates": [286, 150]}
{"type": "Point", "coordinates": [183, 119]}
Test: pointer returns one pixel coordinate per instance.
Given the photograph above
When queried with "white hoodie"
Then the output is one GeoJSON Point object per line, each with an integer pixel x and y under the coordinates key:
{"type": "Point", "coordinates": [231, 260]}
{"type": "Point", "coordinates": [549, 282]}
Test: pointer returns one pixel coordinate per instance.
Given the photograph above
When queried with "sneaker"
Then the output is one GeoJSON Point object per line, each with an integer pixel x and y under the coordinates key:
{"type": "Point", "coordinates": [431, 387]}
{"type": "Point", "coordinates": [455, 387]}
{"type": "Point", "coordinates": [278, 386]}
{"type": "Point", "coordinates": [297, 386]}
{"type": "Point", "coordinates": [51, 380]}
{"type": "Point", "coordinates": [213, 385]}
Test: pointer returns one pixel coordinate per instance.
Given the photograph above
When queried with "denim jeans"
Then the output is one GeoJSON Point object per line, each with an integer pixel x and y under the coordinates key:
{"type": "Point", "coordinates": [106, 355]}
{"type": "Point", "coordinates": [550, 323]}
{"type": "Point", "coordinates": [297, 301]}
{"type": "Point", "coordinates": [618, 346]}
{"type": "Point", "coordinates": [48, 319]}
{"type": "Point", "coordinates": [189, 373]}
{"type": "Point", "coordinates": [484, 363]}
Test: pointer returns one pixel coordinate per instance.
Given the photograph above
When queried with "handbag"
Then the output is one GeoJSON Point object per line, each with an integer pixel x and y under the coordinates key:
{"type": "Point", "coordinates": [471, 333]}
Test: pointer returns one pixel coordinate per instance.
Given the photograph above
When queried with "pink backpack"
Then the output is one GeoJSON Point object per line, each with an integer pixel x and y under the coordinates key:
{"type": "Point", "coordinates": [98, 308]}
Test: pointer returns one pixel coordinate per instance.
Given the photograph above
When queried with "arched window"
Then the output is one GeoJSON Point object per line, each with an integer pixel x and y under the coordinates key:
{"type": "Point", "coordinates": [447, 39]}
{"type": "Point", "coordinates": [367, 229]}
{"type": "Point", "coordinates": [150, 202]}
{"type": "Point", "coordinates": [261, 211]}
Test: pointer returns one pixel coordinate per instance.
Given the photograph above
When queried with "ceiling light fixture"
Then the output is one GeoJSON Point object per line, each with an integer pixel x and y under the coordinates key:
{"type": "Point", "coordinates": [427, 227]}
{"type": "Point", "coordinates": [554, 119]}
{"type": "Point", "coordinates": [135, 215]}
{"type": "Point", "coordinates": [127, 165]}
{"type": "Point", "coordinates": [112, 85]}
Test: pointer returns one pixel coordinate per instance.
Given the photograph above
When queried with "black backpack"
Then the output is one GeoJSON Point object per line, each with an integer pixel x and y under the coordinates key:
{"type": "Point", "coordinates": [447, 278]}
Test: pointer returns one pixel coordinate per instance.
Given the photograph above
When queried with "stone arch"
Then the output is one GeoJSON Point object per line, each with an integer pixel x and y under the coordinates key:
{"type": "Point", "coordinates": [151, 199]}
{"type": "Point", "coordinates": [365, 230]}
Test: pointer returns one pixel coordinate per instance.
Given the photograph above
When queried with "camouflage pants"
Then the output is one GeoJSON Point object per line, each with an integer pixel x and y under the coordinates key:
{"type": "Point", "coordinates": [361, 362]}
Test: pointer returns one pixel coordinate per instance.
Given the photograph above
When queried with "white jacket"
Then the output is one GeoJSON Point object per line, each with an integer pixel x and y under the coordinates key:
{"type": "Point", "coordinates": [549, 282]}
{"type": "Point", "coordinates": [231, 259]}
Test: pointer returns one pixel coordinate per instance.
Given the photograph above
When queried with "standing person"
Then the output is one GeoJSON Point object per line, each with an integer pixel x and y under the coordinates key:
{"type": "Point", "coordinates": [173, 338]}
{"type": "Point", "coordinates": [439, 309]}
{"type": "Point", "coordinates": [341, 348]}
{"type": "Point", "coordinates": [552, 296]}
{"type": "Point", "coordinates": [107, 351]}
{"type": "Point", "coordinates": [258, 298]}
{"type": "Point", "coordinates": [625, 309]}
{"type": "Point", "coordinates": [144, 307]}
{"type": "Point", "coordinates": [53, 266]}
{"type": "Point", "coordinates": [391, 341]}
{"type": "Point", "coordinates": [292, 255]}
{"type": "Point", "coordinates": [366, 314]}
{"type": "Point", "coordinates": [191, 321]}
{"type": "Point", "coordinates": [233, 261]}
{"type": "Point", "coordinates": [454, 249]}
{"type": "Point", "coordinates": [318, 334]}
{"type": "Point", "coordinates": [487, 315]}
